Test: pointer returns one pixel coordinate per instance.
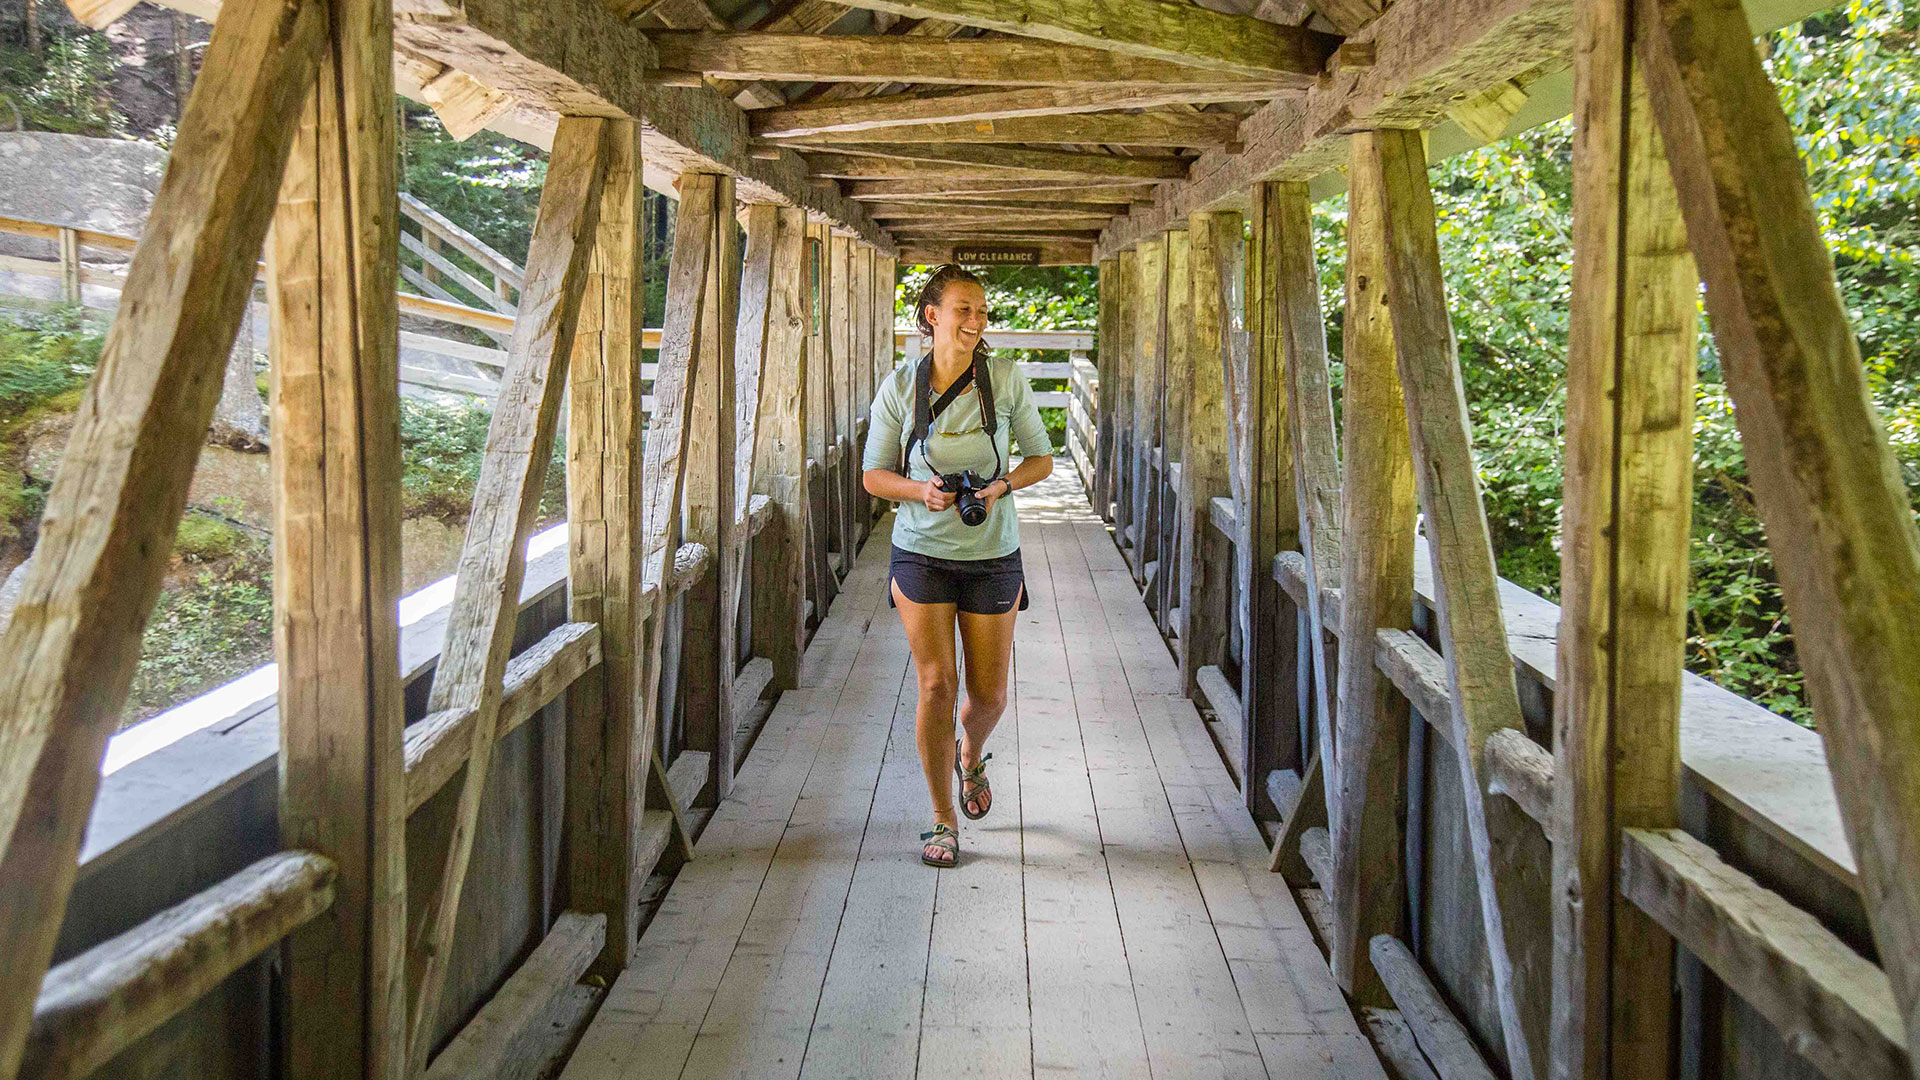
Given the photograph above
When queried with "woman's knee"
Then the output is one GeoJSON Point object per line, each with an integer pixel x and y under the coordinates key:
{"type": "Point", "coordinates": [988, 699]}
{"type": "Point", "coordinates": [939, 686]}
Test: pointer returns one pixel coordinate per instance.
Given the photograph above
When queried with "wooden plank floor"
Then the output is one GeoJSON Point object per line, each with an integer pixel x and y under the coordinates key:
{"type": "Point", "coordinates": [1111, 917]}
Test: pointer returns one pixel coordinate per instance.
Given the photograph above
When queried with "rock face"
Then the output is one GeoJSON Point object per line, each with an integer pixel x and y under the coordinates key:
{"type": "Point", "coordinates": [102, 184]}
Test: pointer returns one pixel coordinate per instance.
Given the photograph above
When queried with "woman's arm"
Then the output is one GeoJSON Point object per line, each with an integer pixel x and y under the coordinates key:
{"type": "Point", "coordinates": [890, 485]}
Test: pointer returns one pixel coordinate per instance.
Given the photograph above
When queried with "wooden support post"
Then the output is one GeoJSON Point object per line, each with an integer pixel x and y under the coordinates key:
{"type": "Point", "coordinates": [1623, 573]}
{"type": "Point", "coordinates": [860, 380]}
{"type": "Point", "coordinates": [1269, 524]}
{"type": "Point", "coordinates": [70, 265]}
{"type": "Point", "coordinates": [68, 654]}
{"type": "Point", "coordinates": [335, 407]}
{"type": "Point", "coordinates": [1364, 783]}
{"type": "Point", "coordinates": [708, 661]}
{"type": "Point", "coordinates": [1216, 258]}
{"type": "Point", "coordinates": [1117, 379]}
{"type": "Point", "coordinates": [1176, 344]}
{"type": "Point", "coordinates": [1827, 484]}
{"type": "Point", "coordinates": [845, 475]}
{"type": "Point", "coordinates": [1108, 315]}
{"type": "Point", "coordinates": [822, 411]}
{"type": "Point", "coordinates": [513, 467]}
{"type": "Point", "coordinates": [609, 731]}
{"type": "Point", "coordinates": [1466, 586]}
{"type": "Point", "coordinates": [1150, 315]}
{"type": "Point", "coordinates": [779, 451]}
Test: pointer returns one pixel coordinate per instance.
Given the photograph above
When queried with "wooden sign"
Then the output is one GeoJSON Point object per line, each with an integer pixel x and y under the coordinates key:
{"type": "Point", "coordinates": [997, 255]}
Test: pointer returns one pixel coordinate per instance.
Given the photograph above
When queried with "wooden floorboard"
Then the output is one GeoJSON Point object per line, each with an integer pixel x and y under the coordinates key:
{"type": "Point", "coordinates": [1111, 917]}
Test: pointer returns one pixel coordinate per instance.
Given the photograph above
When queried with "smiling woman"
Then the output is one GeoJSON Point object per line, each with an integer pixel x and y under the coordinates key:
{"type": "Point", "coordinates": [942, 435]}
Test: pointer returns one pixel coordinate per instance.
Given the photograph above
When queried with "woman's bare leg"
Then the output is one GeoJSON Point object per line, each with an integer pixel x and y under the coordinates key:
{"type": "Point", "coordinates": [929, 630]}
{"type": "Point", "coordinates": [988, 642]}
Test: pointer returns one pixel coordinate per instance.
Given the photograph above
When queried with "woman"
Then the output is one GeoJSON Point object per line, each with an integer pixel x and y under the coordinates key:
{"type": "Point", "coordinates": [946, 571]}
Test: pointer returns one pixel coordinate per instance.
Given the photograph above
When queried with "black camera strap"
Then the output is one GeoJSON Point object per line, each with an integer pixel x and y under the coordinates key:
{"type": "Point", "coordinates": [924, 411]}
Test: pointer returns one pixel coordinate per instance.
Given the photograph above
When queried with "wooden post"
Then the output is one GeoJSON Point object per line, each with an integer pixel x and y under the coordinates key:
{"type": "Point", "coordinates": [1466, 586]}
{"type": "Point", "coordinates": [780, 459]}
{"type": "Point", "coordinates": [336, 543]}
{"type": "Point", "coordinates": [822, 411]}
{"type": "Point", "coordinates": [1109, 316]}
{"type": "Point", "coordinates": [1206, 582]}
{"type": "Point", "coordinates": [707, 644]}
{"type": "Point", "coordinates": [69, 652]}
{"type": "Point", "coordinates": [1364, 782]}
{"type": "Point", "coordinates": [513, 468]}
{"type": "Point", "coordinates": [860, 380]}
{"type": "Point", "coordinates": [1176, 344]}
{"type": "Point", "coordinates": [70, 265]}
{"type": "Point", "coordinates": [609, 731]}
{"type": "Point", "coordinates": [1150, 315]}
{"type": "Point", "coordinates": [845, 475]}
{"type": "Point", "coordinates": [1827, 485]}
{"type": "Point", "coordinates": [1270, 524]}
{"type": "Point", "coordinates": [1117, 379]}
{"type": "Point", "coordinates": [1623, 576]}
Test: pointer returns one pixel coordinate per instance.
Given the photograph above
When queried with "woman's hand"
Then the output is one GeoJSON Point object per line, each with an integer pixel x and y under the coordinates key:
{"type": "Point", "coordinates": [934, 496]}
{"type": "Point", "coordinates": [1000, 487]}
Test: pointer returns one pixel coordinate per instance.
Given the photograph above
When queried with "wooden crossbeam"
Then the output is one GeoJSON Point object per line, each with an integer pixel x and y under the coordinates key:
{"type": "Point", "coordinates": [1000, 223]}
{"type": "Point", "coordinates": [970, 208]}
{"type": "Point", "coordinates": [1158, 29]}
{"type": "Point", "coordinates": [982, 105]}
{"type": "Point", "coordinates": [1050, 162]}
{"type": "Point", "coordinates": [68, 654]}
{"type": "Point", "coordinates": [871, 167]}
{"type": "Point", "coordinates": [1472, 631]}
{"type": "Point", "coordinates": [1826, 481]}
{"type": "Point", "coordinates": [1107, 129]}
{"type": "Point", "coordinates": [480, 623]}
{"type": "Point", "coordinates": [786, 57]}
{"type": "Point", "coordinates": [997, 188]}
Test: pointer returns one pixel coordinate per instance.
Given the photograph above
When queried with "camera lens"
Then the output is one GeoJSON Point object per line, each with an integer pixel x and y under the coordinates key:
{"type": "Point", "coordinates": [972, 510]}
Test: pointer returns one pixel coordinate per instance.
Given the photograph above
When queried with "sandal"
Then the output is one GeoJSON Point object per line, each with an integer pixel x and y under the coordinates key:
{"type": "Point", "coordinates": [943, 840]}
{"type": "Point", "coordinates": [976, 776]}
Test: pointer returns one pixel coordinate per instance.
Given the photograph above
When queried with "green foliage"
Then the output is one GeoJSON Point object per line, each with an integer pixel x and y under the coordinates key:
{"type": "Point", "coordinates": [67, 90]}
{"type": "Point", "coordinates": [42, 360]}
{"type": "Point", "coordinates": [441, 446]}
{"type": "Point", "coordinates": [488, 185]}
{"type": "Point", "coordinates": [1850, 82]}
{"type": "Point", "coordinates": [206, 631]}
{"type": "Point", "coordinates": [205, 538]}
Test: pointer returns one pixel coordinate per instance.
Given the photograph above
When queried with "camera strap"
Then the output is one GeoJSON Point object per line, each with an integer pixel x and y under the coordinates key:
{"type": "Point", "coordinates": [924, 411]}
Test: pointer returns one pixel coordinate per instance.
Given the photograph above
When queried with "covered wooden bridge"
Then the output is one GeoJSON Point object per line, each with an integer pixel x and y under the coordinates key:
{"type": "Point", "coordinates": [1288, 787]}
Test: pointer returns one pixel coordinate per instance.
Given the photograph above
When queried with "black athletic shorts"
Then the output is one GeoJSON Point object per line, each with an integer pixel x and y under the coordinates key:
{"type": "Point", "coordinates": [978, 586]}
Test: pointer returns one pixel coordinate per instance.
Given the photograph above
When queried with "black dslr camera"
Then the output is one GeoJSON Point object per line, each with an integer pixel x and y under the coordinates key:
{"type": "Point", "coordinates": [966, 486]}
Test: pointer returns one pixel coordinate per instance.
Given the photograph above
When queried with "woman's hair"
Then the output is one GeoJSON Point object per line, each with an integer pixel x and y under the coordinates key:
{"type": "Point", "coordinates": [936, 288]}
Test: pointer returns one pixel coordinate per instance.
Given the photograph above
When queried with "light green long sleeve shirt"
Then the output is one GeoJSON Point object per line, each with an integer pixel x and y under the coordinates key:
{"type": "Point", "coordinates": [956, 441]}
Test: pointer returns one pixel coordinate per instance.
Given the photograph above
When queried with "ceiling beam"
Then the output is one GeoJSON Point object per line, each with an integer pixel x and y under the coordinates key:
{"type": "Point", "coordinates": [813, 118]}
{"type": "Point", "coordinates": [1102, 129]}
{"type": "Point", "coordinates": [863, 167]}
{"type": "Point", "coordinates": [891, 210]}
{"type": "Point", "coordinates": [915, 59]}
{"type": "Point", "coordinates": [1168, 30]}
{"type": "Point", "coordinates": [1062, 162]}
{"type": "Point", "coordinates": [1001, 219]}
{"type": "Point", "coordinates": [1052, 253]}
{"type": "Point", "coordinates": [997, 187]}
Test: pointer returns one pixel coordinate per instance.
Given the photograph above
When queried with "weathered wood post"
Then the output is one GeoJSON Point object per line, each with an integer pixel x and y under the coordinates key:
{"type": "Point", "coordinates": [68, 654]}
{"type": "Point", "coordinates": [1206, 583]}
{"type": "Point", "coordinates": [1108, 322]}
{"type": "Point", "coordinates": [1176, 345]}
{"type": "Point", "coordinates": [1828, 487]}
{"type": "Point", "coordinates": [70, 265]}
{"type": "Point", "coordinates": [336, 543]}
{"type": "Point", "coordinates": [845, 474]}
{"type": "Point", "coordinates": [1473, 634]}
{"type": "Point", "coordinates": [822, 413]}
{"type": "Point", "coordinates": [708, 641]}
{"type": "Point", "coordinates": [1623, 571]}
{"type": "Point", "coordinates": [1117, 379]}
{"type": "Point", "coordinates": [1150, 313]}
{"type": "Point", "coordinates": [860, 379]}
{"type": "Point", "coordinates": [778, 449]}
{"type": "Point", "coordinates": [609, 731]}
{"type": "Point", "coordinates": [1270, 667]}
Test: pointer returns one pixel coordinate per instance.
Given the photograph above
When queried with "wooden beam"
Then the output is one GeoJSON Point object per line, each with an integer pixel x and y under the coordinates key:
{"type": "Point", "coordinates": [1624, 562]}
{"type": "Point", "coordinates": [779, 455]}
{"type": "Point", "coordinates": [1028, 162]}
{"type": "Point", "coordinates": [69, 651]}
{"type": "Point", "coordinates": [1827, 485]}
{"type": "Point", "coordinates": [336, 541]}
{"type": "Point", "coordinates": [1157, 29]}
{"type": "Point", "coordinates": [840, 345]}
{"type": "Point", "coordinates": [508, 1027]}
{"type": "Point", "coordinates": [1176, 345]}
{"type": "Point", "coordinates": [821, 414]}
{"type": "Point", "coordinates": [1466, 583]}
{"type": "Point", "coordinates": [1149, 337]}
{"type": "Point", "coordinates": [1428, 54]}
{"type": "Point", "coordinates": [608, 736]}
{"type": "Point", "coordinates": [1107, 129]}
{"type": "Point", "coordinates": [1013, 190]}
{"type": "Point", "coordinates": [708, 660]}
{"type": "Point", "coordinates": [1365, 781]}
{"type": "Point", "coordinates": [962, 209]}
{"type": "Point", "coordinates": [480, 623]}
{"type": "Point", "coordinates": [1830, 1004]}
{"type": "Point", "coordinates": [1107, 345]}
{"type": "Point", "coordinates": [107, 998]}
{"type": "Point", "coordinates": [1216, 258]}
{"type": "Point", "coordinates": [1440, 1034]}
{"type": "Point", "coordinates": [980, 106]}
{"type": "Point", "coordinates": [918, 60]}
{"type": "Point", "coordinates": [933, 252]}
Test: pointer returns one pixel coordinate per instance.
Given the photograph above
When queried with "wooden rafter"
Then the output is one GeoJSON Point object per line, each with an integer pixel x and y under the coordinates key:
{"type": "Point", "coordinates": [1104, 129]}
{"type": "Point", "coordinates": [1158, 29]}
{"type": "Point", "coordinates": [858, 166]}
{"type": "Point", "coordinates": [920, 59]}
{"type": "Point", "coordinates": [974, 208]}
{"type": "Point", "coordinates": [1009, 190]}
{"type": "Point", "coordinates": [983, 105]}
{"type": "Point", "coordinates": [1061, 162]}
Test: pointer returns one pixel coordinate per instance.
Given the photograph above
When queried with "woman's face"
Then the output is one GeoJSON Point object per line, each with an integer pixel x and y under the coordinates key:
{"type": "Point", "coordinates": [960, 317]}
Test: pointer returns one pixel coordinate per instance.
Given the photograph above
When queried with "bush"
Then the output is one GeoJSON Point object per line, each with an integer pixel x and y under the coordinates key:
{"type": "Point", "coordinates": [441, 447]}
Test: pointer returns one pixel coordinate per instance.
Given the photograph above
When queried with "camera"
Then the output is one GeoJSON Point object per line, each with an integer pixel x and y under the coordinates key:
{"type": "Point", "coordinates": [966, 486]}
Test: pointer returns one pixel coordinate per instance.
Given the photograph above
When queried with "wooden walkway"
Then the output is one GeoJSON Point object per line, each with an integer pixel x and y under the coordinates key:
{"type": "Point", "coordinates": [1112, 916]}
